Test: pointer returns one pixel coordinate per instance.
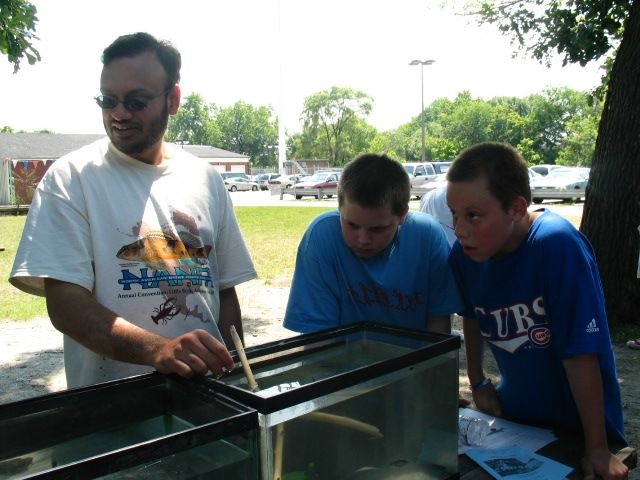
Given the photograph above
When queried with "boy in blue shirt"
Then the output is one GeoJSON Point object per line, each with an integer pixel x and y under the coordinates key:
{"type": "Point", "coordinates": [372, 259]}
{"type": "Point", "coordinates": [532, 292]}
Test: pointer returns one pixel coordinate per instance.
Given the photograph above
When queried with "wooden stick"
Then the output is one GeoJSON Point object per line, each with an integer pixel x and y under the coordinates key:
{"type": "Point", "coordinates": [278, 451]}
{"type": "Point", "coordinates": [347, 422]}
{"type": "Point", "coordinates": [253, 385]}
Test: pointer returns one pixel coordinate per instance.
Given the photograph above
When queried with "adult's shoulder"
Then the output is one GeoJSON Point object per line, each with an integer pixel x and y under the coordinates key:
{"type": "Point", "coordinates": [71, 167]}
{"type": "Point", "coordinates": [92, 153]}
{"type": "Point", "coordinates": [174, 151]}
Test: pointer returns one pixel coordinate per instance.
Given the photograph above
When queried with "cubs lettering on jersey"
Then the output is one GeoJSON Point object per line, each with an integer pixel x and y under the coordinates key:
{"type": "Point", "coordinates": [516, 326]}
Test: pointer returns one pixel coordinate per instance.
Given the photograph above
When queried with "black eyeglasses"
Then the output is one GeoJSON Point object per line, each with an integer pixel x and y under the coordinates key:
{"type": "Point", "coordinates": [133, 104]}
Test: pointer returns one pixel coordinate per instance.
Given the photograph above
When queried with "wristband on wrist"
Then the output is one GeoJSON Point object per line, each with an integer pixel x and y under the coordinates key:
{"type": "Point", "coordinates": [480, 385]}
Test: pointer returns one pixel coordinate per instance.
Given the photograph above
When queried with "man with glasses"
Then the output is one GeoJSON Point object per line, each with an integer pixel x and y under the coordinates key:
{"type": "Point", "coordinates": [134, 242]}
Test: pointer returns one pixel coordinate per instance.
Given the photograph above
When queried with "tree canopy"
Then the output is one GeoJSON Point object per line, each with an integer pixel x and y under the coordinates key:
{"type": "Point", "coordinates": [580, 31]}
{"type": "Point", "coordinates": [17, 31]}
{"type": "Point", "coordinates": [328, 115]}
{"type": "Point", "coordinates": [241, 128]}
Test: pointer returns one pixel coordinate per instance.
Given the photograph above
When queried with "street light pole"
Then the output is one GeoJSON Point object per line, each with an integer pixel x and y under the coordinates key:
{"type": "Point", "coordinates": [422, 63]}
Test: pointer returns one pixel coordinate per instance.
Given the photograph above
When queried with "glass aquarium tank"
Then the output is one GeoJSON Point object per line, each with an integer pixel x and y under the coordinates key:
{"type": "Point", "coordinates": [149, 426]}
{"type": "Point", "coordinates": [365, 401]}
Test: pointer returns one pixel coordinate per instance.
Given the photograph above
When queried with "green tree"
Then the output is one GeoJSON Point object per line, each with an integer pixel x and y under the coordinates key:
{"type": "Point", "coordinates": [582, 32]}
{"type": "Point", "coordinates": [578, 146]}
{"type": "Point", "coordinates": [331, 121]}
{"type": "Point", "coordinates": [359, 138]}
{"type": "Point", "coordinates": [249, 130]}
{"type": "Point", "coordinates": [548, 116]}
{"type": "Point", "coordinates": [306, 145]}
{"type": "Point", "coordinates": [385, 142]}
{"type": "Point", "coordinates": [194, 123]}
{"type": "Point", "coordinates": [17, 31]}
{"type": "Point", "coordinates": [438, 145]}
{"type": "Point", "coordinates": [540, 125]}
{"type": "Point", "coordinates": [395, 143]}
{"type": "Point", "coordinates": [468, 121]}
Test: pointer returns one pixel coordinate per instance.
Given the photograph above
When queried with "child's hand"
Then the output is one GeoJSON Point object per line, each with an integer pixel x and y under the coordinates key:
{"type": "Point", "coordinates": [603, 464]}
{"type": "Point", "coordinates": [487, 401]}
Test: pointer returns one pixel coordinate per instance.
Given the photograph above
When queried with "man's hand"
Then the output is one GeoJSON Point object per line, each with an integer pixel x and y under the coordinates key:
{"type": "Point", "coordinates": [603, 464]}
{"type": "Point", "coordinates": [193, 353]}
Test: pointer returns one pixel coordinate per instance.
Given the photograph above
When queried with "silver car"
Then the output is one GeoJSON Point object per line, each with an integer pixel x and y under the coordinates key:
{"type": "Point", "coordinates": [565, 183]}
{"type": "Point", "coordinates": [234, 184]}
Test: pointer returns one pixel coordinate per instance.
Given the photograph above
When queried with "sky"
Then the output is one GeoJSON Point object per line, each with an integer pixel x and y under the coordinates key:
{"type": "Point", "coordinates": [275, 53]}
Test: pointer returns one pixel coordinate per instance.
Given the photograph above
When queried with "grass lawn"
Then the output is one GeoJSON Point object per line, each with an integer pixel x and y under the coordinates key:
{"type": "Point", "coordinates": [272, 235]}
{"type": "Point", "coordinates": [14, 304]}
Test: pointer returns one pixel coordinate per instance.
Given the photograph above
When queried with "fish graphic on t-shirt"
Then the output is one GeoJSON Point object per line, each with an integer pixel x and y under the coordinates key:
{"type": "Point", "coordinates": [157, 248]}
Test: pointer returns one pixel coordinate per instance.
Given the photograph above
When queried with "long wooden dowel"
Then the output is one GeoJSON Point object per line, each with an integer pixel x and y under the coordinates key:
{"type": "Point", "coordinates": [347, 422]}
{"type": "Point", "coordinates": [279, 432]}
{"type": "Point", "coordinates": [253, 385]}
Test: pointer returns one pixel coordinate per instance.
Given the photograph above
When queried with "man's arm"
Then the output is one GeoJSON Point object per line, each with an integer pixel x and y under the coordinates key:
{"type": "Point", "coordinates": [585, 380]}
{"type": "Point", "coordinates": [230, 314]}
{"type": "Point", "coordinates": [75, 312]}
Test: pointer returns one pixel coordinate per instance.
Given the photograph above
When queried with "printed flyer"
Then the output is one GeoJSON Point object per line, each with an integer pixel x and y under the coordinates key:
{"type": "Point", "coordinates": [516, 463]}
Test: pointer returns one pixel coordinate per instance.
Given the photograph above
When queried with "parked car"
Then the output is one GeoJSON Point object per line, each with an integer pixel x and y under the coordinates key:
{"type": "Point", "coordinates": [226, 175]}
{"type": "Point", "coordinates": [441, 167]}
{"type": "Point", "coordinates": [419, 172]}
{"type": "Point", "coordinates": [287, 181]}
{"type": "Point", "coordinates": [320, 180]}
{"type": "Point", "coordinates": [566, 183]}
{"type": "Point", "coordinates": [545, 168]}
{"type": "Point", "coordinates": [533, 174]}
{"type": "Point", "coordinates": [234, 184]}
{"type": "Point", "coordinates": [263, 179]}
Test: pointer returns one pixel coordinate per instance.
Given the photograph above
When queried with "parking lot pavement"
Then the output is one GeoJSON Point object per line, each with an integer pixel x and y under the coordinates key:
{"type": "Point", "coordinates": [267, 198]}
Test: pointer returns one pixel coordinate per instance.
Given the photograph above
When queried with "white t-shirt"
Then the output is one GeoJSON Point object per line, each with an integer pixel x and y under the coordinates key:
{"type": "Point", "coordinates": [434, 202]}
{"type": "Point", "coordinates": [155, 244]}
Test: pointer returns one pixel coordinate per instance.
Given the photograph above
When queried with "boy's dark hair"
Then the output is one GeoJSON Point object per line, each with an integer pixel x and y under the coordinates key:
{"type": "Point", "coordinates": [502, 165]}
{"type": "Point", "coordinates": [375, 181]}
{"type": "Point", "coordinates": [136, 43]}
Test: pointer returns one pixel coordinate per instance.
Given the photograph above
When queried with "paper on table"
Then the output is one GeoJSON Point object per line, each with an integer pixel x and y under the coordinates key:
{"type": "Point", "coordinates": [505, 434]}
{"type": "Point", "coordinates": [517, 463]}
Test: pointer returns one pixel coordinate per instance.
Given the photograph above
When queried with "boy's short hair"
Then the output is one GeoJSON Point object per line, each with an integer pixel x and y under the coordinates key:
{"type": "Point", "coordinates": [375, 181]}
{"type": "Point", "coordinates": [506, 171]}
{"type": "Point", "coordinates": [136, 43]}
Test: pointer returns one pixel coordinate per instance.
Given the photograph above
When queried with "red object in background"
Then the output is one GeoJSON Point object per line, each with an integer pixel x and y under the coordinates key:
{"type": "Point", "coordinates": [26, 176]}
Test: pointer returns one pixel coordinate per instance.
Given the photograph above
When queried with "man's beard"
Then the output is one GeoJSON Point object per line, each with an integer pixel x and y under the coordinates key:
{"type": "Point", "coordinates": [156, 133]}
